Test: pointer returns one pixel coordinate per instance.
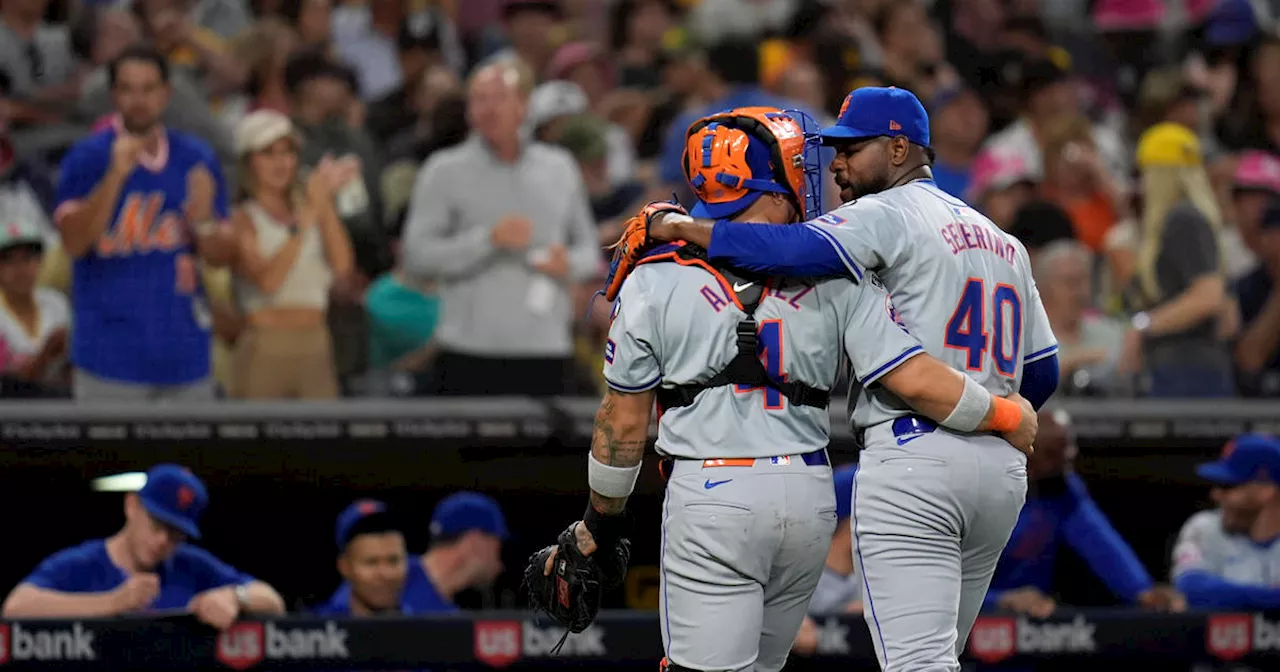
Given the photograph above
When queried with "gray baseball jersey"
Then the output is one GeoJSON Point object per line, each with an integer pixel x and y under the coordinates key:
{"type": "Point", "coordinates": [738, 561]}
{"type": "Point", "coordinates": [933, 509]}
{"type": "Point", "coordinates": [1204, 546]}
{"type": "Point", "coordinates": [676, 324]}
{"type": "Point", "coordinates": [959, 284]}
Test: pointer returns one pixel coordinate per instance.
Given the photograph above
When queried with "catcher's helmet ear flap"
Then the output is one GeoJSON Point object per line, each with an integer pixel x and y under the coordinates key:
{"type": "Point", "coordinates": [732, 157]}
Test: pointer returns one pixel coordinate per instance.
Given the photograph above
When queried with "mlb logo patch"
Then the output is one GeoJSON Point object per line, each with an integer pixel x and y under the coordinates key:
{"type": "Point", "coordinates": [781, 460]}
{"type": "Point", "coordinates": [609, 348]}
{"type": "Point", "coordinates": [833, 220]}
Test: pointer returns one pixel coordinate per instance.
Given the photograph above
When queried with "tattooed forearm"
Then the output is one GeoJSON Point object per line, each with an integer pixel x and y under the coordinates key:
{"type": "Point", "coordinates": [618, 438]}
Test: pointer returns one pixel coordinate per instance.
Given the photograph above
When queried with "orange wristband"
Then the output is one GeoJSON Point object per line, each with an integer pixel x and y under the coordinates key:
{"type": "Point", "coordinates": [1006, 415]}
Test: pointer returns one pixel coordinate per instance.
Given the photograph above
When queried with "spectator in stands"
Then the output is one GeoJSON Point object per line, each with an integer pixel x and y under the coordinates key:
{"type": "Point", "coordinates": [550, 105]}
{"type": "Point", "coordinates": [136, 204]}
{"type": "Point", "coordinates": [1059, 509]}
{"type": "Point", "coordinates": [1089, 343]}
{"type": "Point", "coordinates": [584, 65]}
{"type": "Point", "coordinates": [44, 74]}
{"type": "Point", "coordinates": [33, 320]}
{"type": "Point", "coordinates": [146, 566]}
{"type": "Point", "coordinates": [912, 55]}
{"type": "Point", "coordinates": [115, 30]}
{"type": "Point", "coordinates": [225, 18]}
{"type": "Point", "coordinates": [195, 51]}
{"type": "Point", "coordinates": [467, 531]}
{"type": "Point", "coordinates": [369, 47]}
{"type": "Point", "coordinates": [403, 313]}
{"type": "Point", "coordinates": [418, 47]}
{"type": "Point", "coordinates": [26, 183]}
{"type": "Point", "coordinates": [1077, 181]}
{"type": "Point", "coordinates": [1179, 288]}
{"type": "Point", "coordinates": [1255, 186]}
{"type": "Point", "coordinates": [313, 21]}
{"type": "Point", "coordinates": [1001, 185]}
{"type": "Point", "coordinates": [293, 249]}
{"type": "Point", "coordinates": [529, 26]}
{"type": "Point", "coordinates": [373, 563]}
{"type": "Point", "coordinates": [1048, 93]}
{"type": "Point", "coordinates": [1257, 350]}
{"type": "Point", "coordinates": [731, 80]}
{"type": "Point", "coordinates": [959, 122]}
{"type": "Point", "coordinates": [265, 50]}
{"type": "Point", "coordinates": [1039, 224]}
{"type": "Point", "coordinates": [636, 32]}
{"type": "Point", "coordinates": [1224, 558]}
{"type": "Point", "coordinates": [534, 236]}
{"type": "Point", "coordinates": [440, 121]}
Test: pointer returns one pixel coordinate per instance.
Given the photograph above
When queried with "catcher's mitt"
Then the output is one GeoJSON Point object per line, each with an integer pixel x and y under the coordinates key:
{"type": "Point", "coordinates": [571, 594]}
{"type": "Point", "coordinates": [632, 245]}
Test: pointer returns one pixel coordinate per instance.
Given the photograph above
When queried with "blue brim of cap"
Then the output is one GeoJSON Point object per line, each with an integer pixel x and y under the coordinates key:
{"type": "Point", "coordinates": [181, 524]}
{"type": "Point", "coordinates": [842, 134]}
{"type": "Point", "coordinates": [727, 209]}
{"type": "Point", "coordinates": [1217, 472]}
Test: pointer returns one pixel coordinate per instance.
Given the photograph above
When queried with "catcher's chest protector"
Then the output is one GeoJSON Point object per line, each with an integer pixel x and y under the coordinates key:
{"type": "Point", "coordinates": [745, 368]}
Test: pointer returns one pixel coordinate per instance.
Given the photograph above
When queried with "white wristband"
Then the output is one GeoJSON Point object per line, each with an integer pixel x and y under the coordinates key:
{"type": "Point", "coordinates": [972, 408]}
{"type": "Point", "coordinates": [613, 482]}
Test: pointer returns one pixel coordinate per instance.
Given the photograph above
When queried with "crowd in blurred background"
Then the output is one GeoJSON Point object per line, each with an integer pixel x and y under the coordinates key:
{"type": "Point", "coordinates": [447, 233]}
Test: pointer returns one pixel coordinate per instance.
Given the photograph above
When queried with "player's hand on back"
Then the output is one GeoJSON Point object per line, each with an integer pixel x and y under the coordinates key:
{"type": "Point", "coordinates": [1027, 601]}
{"type": "Point", "coordinates": [1162, 597]}
{"type": "Point", "coordinates": [1024, 436]}
{"type": "Point", "coordinates": [137, 592]}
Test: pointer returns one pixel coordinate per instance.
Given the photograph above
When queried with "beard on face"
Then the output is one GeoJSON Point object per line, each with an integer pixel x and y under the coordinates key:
{"type": "Point", "coordinates": [851, 190]}
{"type": "Point", "coordinates": [137, 125]}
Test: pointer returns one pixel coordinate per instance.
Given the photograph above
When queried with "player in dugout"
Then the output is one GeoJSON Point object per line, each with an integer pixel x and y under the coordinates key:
{"type": "Point", "coordinates": [147, 566]}
{"type": "Point", "coordinates": [1060, 510]}
{"type": "Point", "coordinates": [372, 560]}
{"type": "Point", "coordinates": [1227, 558]}
{"type": "Point", "coordinates": [467, 531]}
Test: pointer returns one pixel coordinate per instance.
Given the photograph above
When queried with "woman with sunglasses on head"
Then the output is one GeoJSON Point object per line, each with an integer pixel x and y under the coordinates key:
{"type": "Point", "coordinates": [293, 248]}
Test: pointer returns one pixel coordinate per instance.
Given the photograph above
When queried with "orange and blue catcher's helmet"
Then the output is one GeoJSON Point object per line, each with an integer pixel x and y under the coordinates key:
{"type": "Point", "coordinates": [731, 158]}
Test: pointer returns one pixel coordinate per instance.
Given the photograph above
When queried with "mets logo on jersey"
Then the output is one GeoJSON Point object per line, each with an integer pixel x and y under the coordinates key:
{"type": "Point", "coordinates": [893, 312]}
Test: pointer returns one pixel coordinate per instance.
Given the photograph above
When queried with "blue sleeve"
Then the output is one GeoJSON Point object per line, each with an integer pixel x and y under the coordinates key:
{"type": "Point", "coordinates": [992, 601]}
{"type": "Point", "coordinates": [210, 572]}
{"type": "Point", "coordinates": [1039, 380]}
{"type": "Point", "coordinates": [1089, 532]}
{"type": "Point", "coordinates": [794, 250]}
{"type": "Point", "coordinates": [1204, 590]}
{"type": "Point", "coordinates": [221, 200]}
{"type": "Point", "coordinates": [64, 571]}
{"type": "Point", "coordinates": [82, 169]}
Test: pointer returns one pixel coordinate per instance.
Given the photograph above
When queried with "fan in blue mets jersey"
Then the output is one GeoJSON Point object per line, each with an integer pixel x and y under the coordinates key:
{"type": "Point", "coordinates": [136, 204]}
{"type": "Point", "coordinates": [932, 508]}
{"type": "Point", "coordinates": [741, 366]}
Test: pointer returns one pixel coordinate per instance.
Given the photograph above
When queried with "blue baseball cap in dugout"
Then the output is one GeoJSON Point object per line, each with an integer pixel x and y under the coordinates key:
{"type": "Point", "coordinates": [874, 111]}
{"type": "Point", "coordinates": [463, 512]}
{"type": "Point", "coordinates": [176, 497]}
{"type": "Point", "coordinates": [843, 477]}
{"type": "Point", "coordinates": [361, 514]}
{"type": "Point", "coordinates": [1250, 457]}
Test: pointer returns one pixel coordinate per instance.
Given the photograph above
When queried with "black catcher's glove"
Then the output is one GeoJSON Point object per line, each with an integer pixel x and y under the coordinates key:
{"type": "Point", "coordinates": [571, 594]}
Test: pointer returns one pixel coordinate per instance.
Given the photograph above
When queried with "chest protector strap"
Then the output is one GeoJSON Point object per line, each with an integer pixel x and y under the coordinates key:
{"type": "Point", "coordinates": [745, 368]}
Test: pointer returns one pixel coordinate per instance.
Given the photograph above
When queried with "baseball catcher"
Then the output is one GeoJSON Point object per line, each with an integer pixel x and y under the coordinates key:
{"type": "Point", "coordinates": [740, 366]}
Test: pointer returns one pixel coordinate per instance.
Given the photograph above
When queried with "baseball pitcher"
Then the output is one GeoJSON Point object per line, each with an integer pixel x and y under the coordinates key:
{"type": "Point", "coordinates": [741, 366]}
{"type": "Point", "coordinates": [932, 507]}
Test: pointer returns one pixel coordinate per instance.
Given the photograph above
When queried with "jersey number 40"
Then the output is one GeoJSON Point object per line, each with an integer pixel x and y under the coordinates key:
{"type": "Point", "coordinates": [967, 329]}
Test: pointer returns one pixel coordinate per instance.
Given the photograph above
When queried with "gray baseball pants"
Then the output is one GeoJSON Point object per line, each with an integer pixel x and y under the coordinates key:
{"type": "Point", "coordinates": [932, 511]}
{"type": "Point", "coordinates": [743, 545]}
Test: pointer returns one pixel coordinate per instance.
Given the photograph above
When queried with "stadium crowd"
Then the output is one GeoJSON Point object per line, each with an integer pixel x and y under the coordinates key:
{"type": "Point", "coordinates": [410, 197]}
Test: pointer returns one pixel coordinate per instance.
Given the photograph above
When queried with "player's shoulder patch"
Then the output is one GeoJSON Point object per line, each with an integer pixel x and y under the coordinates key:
{"type": "Point", "coordinates": [831, 219]}
{"type": "Point", "coordinates": [610, 350]}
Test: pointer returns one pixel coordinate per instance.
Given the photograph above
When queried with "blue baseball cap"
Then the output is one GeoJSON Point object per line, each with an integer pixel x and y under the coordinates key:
{"type": "Point", "coordinates": [1249, 457]}
{"type": "Point", "coordinates": [875, 111]}
{"type": "Point", "coordinates": [462, 512]}
{"type": "Point", "coordinates": [843, 476]}
{"type": "Point", "coordinates": [359, 512]}
{"type": "Point", "coordinates": [176, 497]}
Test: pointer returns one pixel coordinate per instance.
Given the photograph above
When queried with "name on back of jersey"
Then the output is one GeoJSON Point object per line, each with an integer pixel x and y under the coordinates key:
{"type": "Point", "coordinates": [964, 237]}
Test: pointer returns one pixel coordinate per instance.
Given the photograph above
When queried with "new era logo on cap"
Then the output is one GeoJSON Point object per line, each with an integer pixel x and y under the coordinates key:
{"type": "Point", "coordinates": [894, 126]}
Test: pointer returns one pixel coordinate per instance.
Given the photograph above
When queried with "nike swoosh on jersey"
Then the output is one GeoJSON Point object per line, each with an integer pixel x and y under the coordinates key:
{"type": "Point", "coordinates": [904, 440]}
{"type": "Point", "coordinates": [739, 288]}
{"type": "Point", "coordinates": [711, 484]}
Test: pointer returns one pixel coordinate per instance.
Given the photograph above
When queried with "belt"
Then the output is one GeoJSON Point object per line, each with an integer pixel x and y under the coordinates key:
{"type": "Point", "coordinates": [817, 458]}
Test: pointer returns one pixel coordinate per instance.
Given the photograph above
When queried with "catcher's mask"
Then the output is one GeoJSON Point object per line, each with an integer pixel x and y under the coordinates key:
{"type": "Point", "coordinates": [732, 158]}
